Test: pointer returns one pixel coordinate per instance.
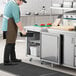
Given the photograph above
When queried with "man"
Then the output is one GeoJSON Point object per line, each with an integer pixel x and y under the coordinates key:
{"type": "Point", "coordinates": [11, 22]}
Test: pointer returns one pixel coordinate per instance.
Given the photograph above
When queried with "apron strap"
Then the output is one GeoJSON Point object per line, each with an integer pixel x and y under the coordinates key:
{"type": "Point", "coordinates": [6, 17]}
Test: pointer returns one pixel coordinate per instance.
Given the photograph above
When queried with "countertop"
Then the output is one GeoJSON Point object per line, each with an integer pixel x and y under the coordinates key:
{"type": "Point", "coordinates": [50, 30]}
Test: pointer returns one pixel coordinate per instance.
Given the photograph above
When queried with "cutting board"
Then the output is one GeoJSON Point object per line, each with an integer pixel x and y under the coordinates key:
{"type": "Point", "coordinates": [67, 28]}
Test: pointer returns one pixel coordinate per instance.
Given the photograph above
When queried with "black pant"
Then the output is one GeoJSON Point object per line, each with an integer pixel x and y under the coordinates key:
{"type": "Point", "coordinates": [4, 34]}
{"type": "Point", "coordinates": [9, 52]}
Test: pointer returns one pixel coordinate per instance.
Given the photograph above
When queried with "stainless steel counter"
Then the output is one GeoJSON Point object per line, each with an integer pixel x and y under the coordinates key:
{"type": "Point", "coordinates": [52, 31]}
{"type": "Point", "coordinates": [59, 44]}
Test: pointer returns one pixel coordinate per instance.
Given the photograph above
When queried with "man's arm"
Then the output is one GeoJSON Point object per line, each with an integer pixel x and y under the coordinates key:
{"type": "Point", "coordinates": [19, 25]}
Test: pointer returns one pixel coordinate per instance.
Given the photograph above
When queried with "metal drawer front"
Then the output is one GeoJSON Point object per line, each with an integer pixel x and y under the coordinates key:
{"type": "Point", "coordinates": [75, 41]}
{"type": "Point", "coordinates": [75, 50]}
{"type": "Point", "coordinates": [75, 61]}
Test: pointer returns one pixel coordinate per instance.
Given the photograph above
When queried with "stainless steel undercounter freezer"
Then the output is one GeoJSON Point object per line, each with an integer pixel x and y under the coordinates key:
{"type": "Point", "coordinates": [50, 49]}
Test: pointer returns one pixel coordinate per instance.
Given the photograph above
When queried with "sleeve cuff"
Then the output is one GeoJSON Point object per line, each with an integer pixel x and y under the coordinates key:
{"type": "Point", "coordinates": [75, 28]}
{"type": "Point", "coordinates": [17, 21]}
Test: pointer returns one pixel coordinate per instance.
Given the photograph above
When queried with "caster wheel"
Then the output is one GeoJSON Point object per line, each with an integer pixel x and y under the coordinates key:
{"type": "Point", "coordinates": [30, 59]}
{"type": "Point", "coordinates": [42, 62]}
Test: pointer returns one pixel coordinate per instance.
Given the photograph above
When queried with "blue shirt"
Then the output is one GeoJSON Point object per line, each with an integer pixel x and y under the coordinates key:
{"type": "Point", "coordinates": [12, 11]}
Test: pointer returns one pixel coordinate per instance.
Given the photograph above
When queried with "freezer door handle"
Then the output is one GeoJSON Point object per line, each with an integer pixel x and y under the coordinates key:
{"type": "Point", "coordinates": [73, 40]}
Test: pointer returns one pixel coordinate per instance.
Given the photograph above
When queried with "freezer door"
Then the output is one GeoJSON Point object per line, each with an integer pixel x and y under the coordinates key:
{"type": "Point", "coordinates": [50, 48]}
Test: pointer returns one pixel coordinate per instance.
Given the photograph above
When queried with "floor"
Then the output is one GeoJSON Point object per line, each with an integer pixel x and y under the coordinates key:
{"type": "Point", "coordinates": [21, 54]}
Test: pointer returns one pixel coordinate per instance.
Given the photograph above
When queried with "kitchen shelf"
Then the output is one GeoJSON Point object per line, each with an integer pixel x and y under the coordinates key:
{"type": "Point", "coordinates": [64, 11]}
{"type": "Point", "coordinates": [35, 41]}
{"type": "Point", "coordinates": [63, 8]}
{"type": "Point", "coordinates": [55, 14]}
{"type": "Point", "coordinates": [37, 15]}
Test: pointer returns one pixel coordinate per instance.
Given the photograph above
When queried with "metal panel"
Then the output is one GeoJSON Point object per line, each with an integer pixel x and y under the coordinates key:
{"type": "Point", "coordinates": [75, 61]}
{"type": "Point", "coordinates": [75, 41]}
{"type": "Point", "coordinates": [68, 51]}
{"type": "Point", "coordinates": [68, 0]}
{"type": "Point", "coordinates": [49, 48]}
{"type": "Point", "coordinates": [57, 1]}
{"type": "Point", "coordinates": [75, 50]}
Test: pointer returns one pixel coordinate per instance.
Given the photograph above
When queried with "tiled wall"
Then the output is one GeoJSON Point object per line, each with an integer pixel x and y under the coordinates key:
{"type": "Point", "coordinates": [31, 20]}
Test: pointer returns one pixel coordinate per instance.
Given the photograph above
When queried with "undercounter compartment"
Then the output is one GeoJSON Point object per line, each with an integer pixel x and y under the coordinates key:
{"type": "Point", "coordinates": [50, 50]}
{"type": "Point", "coordinates": [69, 51]}
{"type": "Point", "coordinates": [33, 44]}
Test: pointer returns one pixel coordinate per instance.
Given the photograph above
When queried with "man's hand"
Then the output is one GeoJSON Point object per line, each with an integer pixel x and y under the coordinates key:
{"type": "Point", "coordinates": [23, 32]}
